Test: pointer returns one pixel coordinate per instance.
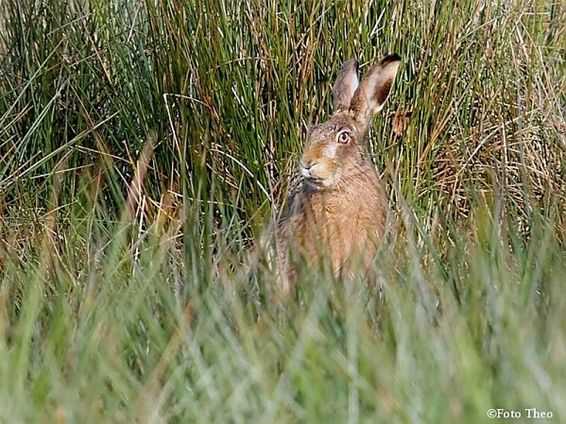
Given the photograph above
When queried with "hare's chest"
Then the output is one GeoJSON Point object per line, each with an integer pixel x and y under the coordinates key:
{"type": "Point", "coordinates": [341, 229]}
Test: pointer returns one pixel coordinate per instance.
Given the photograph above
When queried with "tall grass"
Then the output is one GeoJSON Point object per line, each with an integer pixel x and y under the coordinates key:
{"type": "Point", "coordinates": [143, 146]}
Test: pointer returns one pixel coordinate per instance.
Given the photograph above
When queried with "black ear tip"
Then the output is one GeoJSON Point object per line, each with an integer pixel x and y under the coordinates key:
{"type": "Point", "coordinates": [394, 57]}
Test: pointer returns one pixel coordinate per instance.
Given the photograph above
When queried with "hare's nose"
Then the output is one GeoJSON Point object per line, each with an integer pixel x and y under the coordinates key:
{"type": "Point", "coordinates": [307, 164]}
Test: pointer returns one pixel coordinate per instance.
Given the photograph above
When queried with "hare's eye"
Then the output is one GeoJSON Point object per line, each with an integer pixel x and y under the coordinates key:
{"type": "Point", "coordinates": [344, 137]}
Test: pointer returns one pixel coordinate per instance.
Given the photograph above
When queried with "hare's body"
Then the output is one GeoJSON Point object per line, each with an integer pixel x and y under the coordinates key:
{"type": "Point", "coordinates": [334, 223]}
{"type": "Point", "coordinates": [340, 211]}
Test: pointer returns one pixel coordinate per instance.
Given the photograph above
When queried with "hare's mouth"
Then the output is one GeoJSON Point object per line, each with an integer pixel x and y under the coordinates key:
{"type": "Point", "coordinates": [314, 183]}
{"type": "Point", "coordinates": [313, 180]}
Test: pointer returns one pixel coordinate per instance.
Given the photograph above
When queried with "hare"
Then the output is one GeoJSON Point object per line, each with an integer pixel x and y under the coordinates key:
{"type": "Point", "coordinates": [340, 210]}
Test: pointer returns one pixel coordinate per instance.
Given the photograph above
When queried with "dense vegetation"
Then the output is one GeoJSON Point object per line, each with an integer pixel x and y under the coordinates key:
{"type": "Point", "coordinates": [143, 146]}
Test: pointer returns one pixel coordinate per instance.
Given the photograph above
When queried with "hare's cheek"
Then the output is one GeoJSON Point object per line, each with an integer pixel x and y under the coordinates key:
{"type": "Point", "coordinates": [327, 168]}
{"type": "Point", "coordinates": [331, 179]}
{"type": "Point", "coordinates": [331, 150]}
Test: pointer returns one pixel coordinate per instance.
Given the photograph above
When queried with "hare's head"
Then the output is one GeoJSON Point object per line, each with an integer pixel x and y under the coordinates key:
{"type": "Point", "coordinates": [336, 149]}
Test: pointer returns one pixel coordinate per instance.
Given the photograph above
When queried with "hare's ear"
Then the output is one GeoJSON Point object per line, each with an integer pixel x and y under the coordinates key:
{"type": "Point", "coordinates": [372, 93]}
{"type": "Point", "coordinates": [345, 86]}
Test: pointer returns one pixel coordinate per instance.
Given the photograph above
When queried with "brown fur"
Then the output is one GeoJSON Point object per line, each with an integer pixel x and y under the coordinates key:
{"type": "Point", "coordinates": [341, 209]}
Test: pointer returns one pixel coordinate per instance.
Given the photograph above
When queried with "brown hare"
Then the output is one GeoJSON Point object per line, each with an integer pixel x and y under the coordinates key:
{"type": "Point", "coordinates": [339, 211]}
